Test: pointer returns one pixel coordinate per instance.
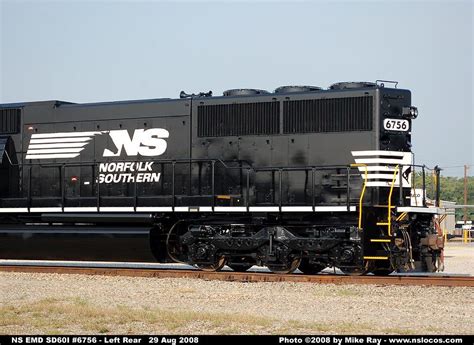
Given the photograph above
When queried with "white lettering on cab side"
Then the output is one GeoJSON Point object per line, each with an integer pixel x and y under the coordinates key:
{"type": "Point", "coordinates": [144, 142]}
{"type": "Point", "coordinates": [127, 172]}
{"type": "Point", "coordinates": [147, 143]}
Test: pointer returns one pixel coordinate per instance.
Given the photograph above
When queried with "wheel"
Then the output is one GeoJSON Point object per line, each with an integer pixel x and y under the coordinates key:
{"type": "Point", "coordinates": [216, 266]}
{"type": "Point", "coordinates": [382, 272]}
{"type": "Point", "coordinates": [285, 267]}
{"type": "Point", "coordinates": [381, 268]}
{"type": "Point", "coordinates": [308, 268]}
{"type": "Point", "coordinates": [350, 256]}
{"type": "Point", "coordinates": [240, 267]}
{"type": "Point", "coordinates": [356, 271]}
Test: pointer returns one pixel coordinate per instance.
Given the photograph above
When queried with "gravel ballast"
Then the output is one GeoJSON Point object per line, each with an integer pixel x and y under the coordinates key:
{"type": "Point", "coordinates": [81, 304]}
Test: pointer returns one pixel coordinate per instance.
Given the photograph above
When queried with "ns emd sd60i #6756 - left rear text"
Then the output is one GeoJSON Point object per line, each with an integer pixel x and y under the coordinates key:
{"type": "Point", "coordinates": [298, 178]}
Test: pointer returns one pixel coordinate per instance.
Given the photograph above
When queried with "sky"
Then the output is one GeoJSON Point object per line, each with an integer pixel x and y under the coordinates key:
{"type": "Point", "coordinates": [89, 51]}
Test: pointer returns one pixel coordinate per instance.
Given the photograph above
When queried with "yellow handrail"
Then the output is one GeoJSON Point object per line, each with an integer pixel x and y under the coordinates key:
{"type": "Point", "coordinates": [363, 190]}
{"type": "Point", "coordinates": [401, 216]}
{"type": "Point", "coordinates": [389, 219]}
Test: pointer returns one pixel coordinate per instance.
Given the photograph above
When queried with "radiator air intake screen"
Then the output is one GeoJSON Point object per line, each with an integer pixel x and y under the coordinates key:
{"type": "Point", "coordinates": [328, 115]}
{"type": "Point", "coordinates": [10, 121]}
{"type": "Point", "coordinates": [239, 119]}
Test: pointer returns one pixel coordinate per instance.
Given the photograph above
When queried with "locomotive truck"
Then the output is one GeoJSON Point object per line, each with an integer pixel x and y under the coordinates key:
{"type": "Point", "coordinates": [302, 177]}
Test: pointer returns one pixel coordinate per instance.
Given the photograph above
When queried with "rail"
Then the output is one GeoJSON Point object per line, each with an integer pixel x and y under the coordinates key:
{"type": "Point", "coordinates": [249, 276]}
{"type": "Point", "coordinates": [245, 172]}
{"type": "Point", "coordinates": [389, 212]}
{"type": "Point", "coordinates": [361, 199]}
{"type": "Point", "coordinates": [388, 223]}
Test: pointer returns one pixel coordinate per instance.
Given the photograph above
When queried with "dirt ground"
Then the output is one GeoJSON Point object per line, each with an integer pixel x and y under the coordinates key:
{"type": "Point", "coordinates": [75, 304]}
{"type": "Point", "coordinates": [459, 258]}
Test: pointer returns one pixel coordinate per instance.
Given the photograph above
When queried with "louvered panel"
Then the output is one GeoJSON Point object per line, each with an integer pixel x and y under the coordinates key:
{"type": "Point", "coordinates": [238, 119]}
{"type": "Point", "coordinates": [10, 121]}
{"type": "Point", "coordinates": [328, 115]}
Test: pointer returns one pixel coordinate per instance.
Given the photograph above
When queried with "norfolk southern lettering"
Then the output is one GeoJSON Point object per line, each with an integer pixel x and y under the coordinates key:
{"type": "Point", "coordinates": [147, 143]}
{"type": "Point", "coordinates": [127, 172]}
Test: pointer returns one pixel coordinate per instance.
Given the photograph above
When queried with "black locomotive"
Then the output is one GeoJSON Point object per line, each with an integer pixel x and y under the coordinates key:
{"type": "Point", "coordinates": [299, 178]}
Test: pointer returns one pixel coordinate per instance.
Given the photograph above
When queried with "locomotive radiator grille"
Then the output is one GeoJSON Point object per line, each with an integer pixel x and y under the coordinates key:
{"type": "Point", "coordinates": [10, 121]}
{"type": "Point", "coordinates": [328, 115]}
{"type": "Point", "coordinates": [238, 119]}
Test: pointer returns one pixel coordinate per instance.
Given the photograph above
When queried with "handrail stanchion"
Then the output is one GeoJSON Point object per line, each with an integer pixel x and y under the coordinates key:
{"type": "Point", "coordinates": [424, 185]}
{"type": "Point", "coordinates": [273, 187]}
{"type": "Point", "coordinates": [361, 199]}
{"type": "Point", "coordinates": [173, 187]}
{"type": "Point", "coordinates": [437, 173]}
{"type": "Point", "coordinates": [413, 185]}
{"type": "Point", "coordinates": [135, 191]}
{"type": "Point", "coordinates": [97, 186]}
{"type": "Point", "coordinates": [313, 188]}
{"type": "Point", "coordinates": [29, 202]}
{"type": "Point", "coordinates": [400, 187]}
{"type": "Point", "coordinates": [389, 218]}
{"type": "Point", "coordinates": [280, 187]}
{"type": "Point", "coordinates": [348, 189]}
{"type": "Point", "coordinates": [62, 177]}
{"type": "Point", "coordinates": [213, 191]}
{"type": "Point", "coordinates": [247, 194]}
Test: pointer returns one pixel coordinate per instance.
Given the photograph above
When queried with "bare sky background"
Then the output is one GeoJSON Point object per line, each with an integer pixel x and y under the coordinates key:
{"type": "Point", "coordinates": [116, 50]}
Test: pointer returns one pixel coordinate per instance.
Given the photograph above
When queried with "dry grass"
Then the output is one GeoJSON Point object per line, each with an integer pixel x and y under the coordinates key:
{"type": "Point", "coordinates": [51, 316]}
{"type": "Point", "coordinates": [54, 316]}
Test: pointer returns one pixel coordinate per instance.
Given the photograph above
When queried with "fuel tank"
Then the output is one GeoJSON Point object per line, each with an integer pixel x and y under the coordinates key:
{"type": "Point", "coordinates": [76, 242]}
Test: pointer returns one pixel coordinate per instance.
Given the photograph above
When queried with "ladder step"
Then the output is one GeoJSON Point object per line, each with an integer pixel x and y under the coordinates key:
{"type": "Point", "coordinates": [382, 223]}
{"type": "Point", "coordinates": [376, 257]}
{"type": "Point", "coordinates": [380, 240]}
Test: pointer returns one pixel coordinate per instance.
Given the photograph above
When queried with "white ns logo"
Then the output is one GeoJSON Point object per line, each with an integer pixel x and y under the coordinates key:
{"type": "Point", "coordinates": [148, 142]}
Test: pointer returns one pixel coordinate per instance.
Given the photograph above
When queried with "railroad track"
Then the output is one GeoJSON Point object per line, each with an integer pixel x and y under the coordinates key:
{"type": "Point", "coordinates": [438, 280]}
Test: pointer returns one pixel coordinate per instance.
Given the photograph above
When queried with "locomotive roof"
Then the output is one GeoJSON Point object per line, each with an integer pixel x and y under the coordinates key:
{"type": "Point", "coordinates": [59, 103]}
